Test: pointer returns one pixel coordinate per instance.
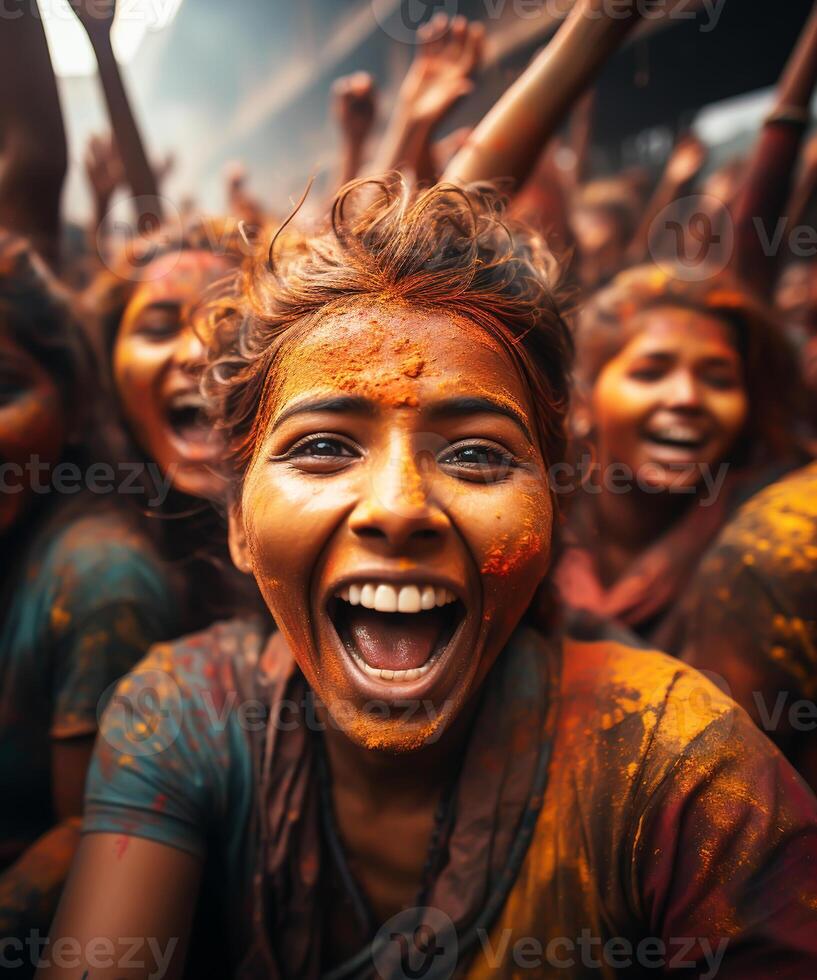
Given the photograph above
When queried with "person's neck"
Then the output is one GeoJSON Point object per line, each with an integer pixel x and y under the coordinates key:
{"type": "Point", "coordinates": [389, 779]}
{"type": "Point", "coordinates": [627, 524]}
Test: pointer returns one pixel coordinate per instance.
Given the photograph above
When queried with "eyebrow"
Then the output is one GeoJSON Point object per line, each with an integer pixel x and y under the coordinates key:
{"type": "Point", "coordinates": [339, 405]}
{"type": "Point", "coordinates": [453, 407]}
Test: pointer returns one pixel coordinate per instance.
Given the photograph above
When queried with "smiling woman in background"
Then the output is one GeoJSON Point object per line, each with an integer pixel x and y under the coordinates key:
{"type": "Point", "coordinates": [686, 398]}
{"type": "Point", "coordinates": [143, 316]}
{"type": "Point", "coordinates": [392, 398]}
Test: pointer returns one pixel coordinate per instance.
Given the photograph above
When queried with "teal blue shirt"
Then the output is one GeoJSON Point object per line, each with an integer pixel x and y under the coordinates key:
{"type": "Point", "coordinates": [90, 599]}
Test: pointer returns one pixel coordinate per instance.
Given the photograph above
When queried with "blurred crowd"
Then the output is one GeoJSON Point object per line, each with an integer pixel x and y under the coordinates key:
{"type": "Point", "coordinates": [687, 491]}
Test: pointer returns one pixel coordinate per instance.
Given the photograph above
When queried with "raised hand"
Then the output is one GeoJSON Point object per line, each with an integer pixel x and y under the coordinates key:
{"type": "Point", "coordinates": [686, 160]}
{"type": "Point", "coordinates": [164, 167]}
{"type": "Point", "coordinates": [103, 168]}
{"type": "Point", "coordinates": [96, 16]}
{"type": "Point", "coordinates": [449, 52]}
{"type": "Point", "coordinates": [354, 105]}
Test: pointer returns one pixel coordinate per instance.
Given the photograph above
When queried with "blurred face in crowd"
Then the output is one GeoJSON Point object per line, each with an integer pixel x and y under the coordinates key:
{"type": "Point", "coordinates": [32, 425]}
{"type": "Point", "coordinates": [157, 362]}
{"type": "Point", "coordinates": [673, 400]}
{"type": "Point", "coordinates": [597, 230]}
{"type": "Point", "coordinates": [396, 514]}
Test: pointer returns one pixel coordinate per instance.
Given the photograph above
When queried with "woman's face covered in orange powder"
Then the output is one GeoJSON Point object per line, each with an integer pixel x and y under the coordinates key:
{"type": "Point", "coordinates": [396, 514]}
{"type": "Point", "coordinates": [157, 363]}
{"type": "Point", "coordinates": [673, 400]}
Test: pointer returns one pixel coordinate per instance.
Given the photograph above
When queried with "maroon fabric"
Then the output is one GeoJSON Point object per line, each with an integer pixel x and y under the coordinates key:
{"type": "Point", "coordinates": [652, 583]}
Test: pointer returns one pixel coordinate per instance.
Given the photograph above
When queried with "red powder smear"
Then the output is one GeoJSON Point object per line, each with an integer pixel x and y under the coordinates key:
{"type": "Point", "coordinates": [499, 560]}
{"type": "Point", "coordinates": [121, 845]}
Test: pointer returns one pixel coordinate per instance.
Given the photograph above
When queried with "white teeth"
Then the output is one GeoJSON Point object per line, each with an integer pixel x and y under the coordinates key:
{"type": "Point", "coordinates": [408, 601]}
{"type": "Point", "coordinates": [187, 399]}
{"type": "Point", "coordinates": [388, 598]}
{"type": "Point", "coordinates": [400, 676]}
{"type": "Point", "coordinates": [678, 433]}
{"type": "Point", "coordinates": [385, 599]}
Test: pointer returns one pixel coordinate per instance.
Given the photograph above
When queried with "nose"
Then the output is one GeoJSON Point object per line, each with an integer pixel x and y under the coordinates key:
{"type": "Point", "coordinates": [683, 391]}
{"type": "Point", "coordinates": [189, 352]}
{"type": "Point", "coordinates": [397, 511]}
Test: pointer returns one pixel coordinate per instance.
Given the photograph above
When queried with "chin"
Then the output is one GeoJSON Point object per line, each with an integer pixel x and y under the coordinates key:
{"type": "Point", "coordinates": [395, 681]}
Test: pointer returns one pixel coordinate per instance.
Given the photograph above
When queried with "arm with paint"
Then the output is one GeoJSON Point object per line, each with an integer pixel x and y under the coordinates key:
{"type": "Point", "coordinates": [33, 153]}
{"type": "Point", "coordinates": [96, 16]}
{"type": "Point", "coordinates": [509, 139]}
{"type": "Point", "coordinates": [125, 887]}
{"type": "Point", "coordinates": [767, 186]}
{"type": "Point", "coordinates": [148, 804]}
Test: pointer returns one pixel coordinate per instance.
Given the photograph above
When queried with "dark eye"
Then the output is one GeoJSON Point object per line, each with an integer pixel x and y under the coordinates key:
{"type": "Point", "coordinates": [478, 461]}
{"type": "Point", "coordinates": [159, 326]}
{"type": "Point", "coordinates": [721, 380]}
{"type": "Point", "coordinates": [322, 454]}
{"type": "Point", "coordinates": [646, 374]}
{"type": "Point", "coordinates": [11, 387]}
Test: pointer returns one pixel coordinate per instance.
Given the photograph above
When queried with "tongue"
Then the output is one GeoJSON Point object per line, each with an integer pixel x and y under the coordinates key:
{"type": "Point", "coordinates": [394, 641]}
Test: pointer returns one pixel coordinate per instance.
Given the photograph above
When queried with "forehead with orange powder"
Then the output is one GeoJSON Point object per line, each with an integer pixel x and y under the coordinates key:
{"type": "Point", "coordinates": [388, 351]}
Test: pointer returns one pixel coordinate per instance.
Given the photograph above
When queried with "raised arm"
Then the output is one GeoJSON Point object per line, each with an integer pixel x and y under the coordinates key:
{"type": "Point", "coordinates": [768, 182]}
{"type": "Point", "coordinates": [354, 106]}
{"type": "Point", "coordinates": [448, 54]}
{"type": "Point", "coordinates": [509, 139]}
{"type": "Point", "coordinates": [683, 166]}
{"type": "Point", "coordinates": [806, 187]}
{"type": "Point", "coordinates": [33, 154]}
{"type": "Point", "coordinates": [96, 16]}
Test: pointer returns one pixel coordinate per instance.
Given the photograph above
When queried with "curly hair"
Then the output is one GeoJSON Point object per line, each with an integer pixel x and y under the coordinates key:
{"type": "Point", "coordinates": [445, 248]}
{"type": "Point", "coordinates": [612, 317]}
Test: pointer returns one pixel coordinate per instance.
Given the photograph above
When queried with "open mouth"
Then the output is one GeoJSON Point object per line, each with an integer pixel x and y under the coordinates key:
{"type": "Point", "coordinates": [395, 633]}
{"type": "Point", "coordinates": [186, 417]}
{"type": "Point", "coordinates": [677, 437]}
